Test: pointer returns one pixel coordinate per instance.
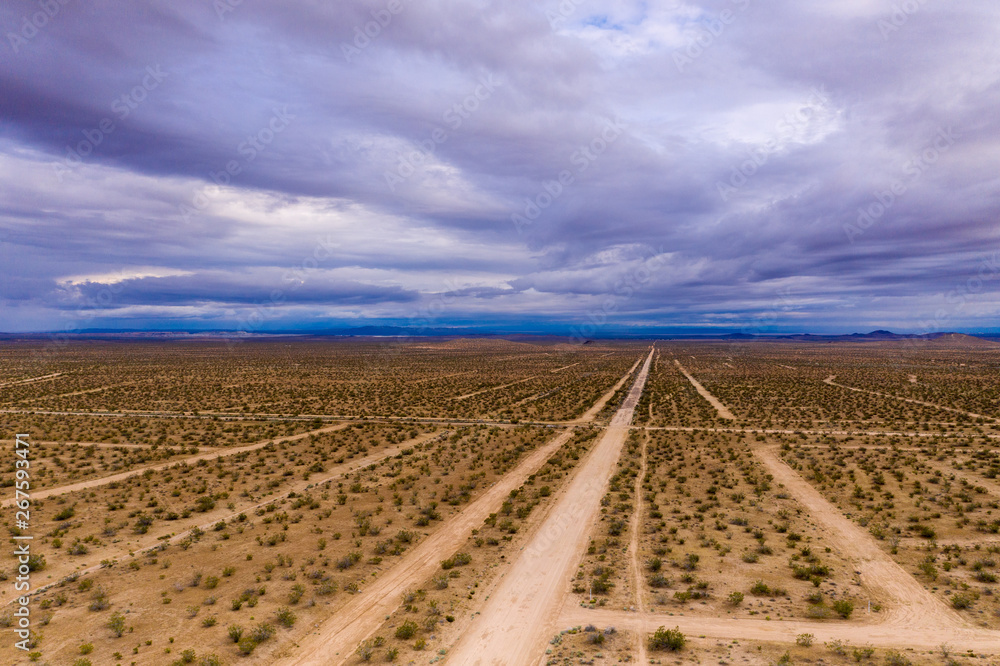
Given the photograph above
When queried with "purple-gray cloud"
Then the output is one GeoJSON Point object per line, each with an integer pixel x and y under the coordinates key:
{"type": "Point", "coordinates": [706, 163]}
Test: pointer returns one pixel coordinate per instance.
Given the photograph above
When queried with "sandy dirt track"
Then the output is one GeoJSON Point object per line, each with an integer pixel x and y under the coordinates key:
{"type": "Point", "coordinates": [588, 416]}
{"type": "Point", "coordinates": [336, 639]}
{"type": "Point", "coordinates": [926, 637]}
{"type": "Point", "coordinates": [635, 567]}
{"type": "Point", "coordinates": [154, 539]}
{"type": "Point", "coordinates": [29, 380]}
{"type": "Point", "coordinates": [715, 402]}
{"type": "Point", "coordinates": [521, 614]}
{"type": "Point", "coordinates": [42, 493]}
{"type": "Point", "coordinates": [907, 602]}
{"type": "Point", "coordinates": [493, 388]}
{"type": "Point", "coordinates": [829, 380]}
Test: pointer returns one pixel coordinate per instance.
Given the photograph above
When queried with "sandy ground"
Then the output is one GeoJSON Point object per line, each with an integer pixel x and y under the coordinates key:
{"type": "Point", "coordinates": [31, 379]}
{"type": "Point", "coordinates": [108, 445]}
{"type": "Point", "coordinates": [334, 642]}
{"type": "Point", "coordinates": [493, 388]}
{"type": "Point", "coordinates": [635, 566]}
{"type": "Point", "coordinates": [795, 431]}
{"type": "Point", "coordinates": [154, 539]}
{"type": "Point", "coordinates": [589, 415]}
{"type": "Point", "coordinates": [42, 493]}
{"type": "Point", "coordinates": [829, 380]}
{"type": "Point", "coordinates": [926, 637]}
{"type": "Point", "coordinates": [906, 601]}
{"type": "Point", "coordinates": [72, 393]}
{"type": "Point", "coordinates": [521, 615]}
{"type": "Point", "coordinates": [719, 407]}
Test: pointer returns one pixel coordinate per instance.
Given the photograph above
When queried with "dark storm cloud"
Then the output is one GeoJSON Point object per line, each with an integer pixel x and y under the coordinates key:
{"type": "Point", "coordinates": [476, 154]}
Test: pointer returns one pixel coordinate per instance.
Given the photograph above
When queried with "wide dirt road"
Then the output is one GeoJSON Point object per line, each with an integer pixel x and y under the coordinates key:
{"type": "Point", "coordinates": [339, 635]}
{"type": "Point", "coordinates": [715, 402]}
{"type": "Point", "coordinates": [908, 603]}
{"type": "Point", "coordinates": [520, 616]}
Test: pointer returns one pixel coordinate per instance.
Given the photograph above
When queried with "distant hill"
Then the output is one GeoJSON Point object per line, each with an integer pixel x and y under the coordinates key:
{"type": "Point", "coordinates": [939, 339]}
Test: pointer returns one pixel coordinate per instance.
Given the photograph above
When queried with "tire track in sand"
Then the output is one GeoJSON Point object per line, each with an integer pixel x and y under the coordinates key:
{"type": "Point", "coordinates": [715, 402]}
{"type": "Point", "coordinates": [521, 614]}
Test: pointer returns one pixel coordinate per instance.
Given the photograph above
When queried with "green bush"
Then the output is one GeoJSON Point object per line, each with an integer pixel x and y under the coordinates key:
{"type": "Point", "coordinates": [406, 630]}
{"type": "Point", "coordinates": [843, 607]}
{"type": "Point", "coordinates": [456, 560]}
{"type": "Point", "coordinates": [670, 640]}
{"type": "Point", "coordinates": [285, 616]}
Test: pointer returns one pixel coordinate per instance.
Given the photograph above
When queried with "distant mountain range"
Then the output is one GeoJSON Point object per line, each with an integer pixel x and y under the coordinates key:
{"type": "Point", "coordinates": [943, 338]}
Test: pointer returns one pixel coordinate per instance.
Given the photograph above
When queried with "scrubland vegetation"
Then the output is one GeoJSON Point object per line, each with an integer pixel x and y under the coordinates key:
{"type": "Point", "coordinates": [211, 503]}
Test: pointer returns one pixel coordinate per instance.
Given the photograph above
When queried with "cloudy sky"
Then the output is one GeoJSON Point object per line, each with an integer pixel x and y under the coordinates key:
{"type": "Point", "coordinates": [589, 165]}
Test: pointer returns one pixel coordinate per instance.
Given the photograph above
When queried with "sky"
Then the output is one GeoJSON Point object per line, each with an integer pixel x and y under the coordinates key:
{"type": "Point", "coordinates": [584, 166]}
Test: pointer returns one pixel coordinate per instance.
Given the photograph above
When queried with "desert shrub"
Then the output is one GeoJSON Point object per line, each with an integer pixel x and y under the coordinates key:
{"type": "Point", "coordinates": [456, 560]}
{"type": "Point", "coordinates": [116, 623]}
{"type": "Point", "coordinates": [670, 640]}
{"type": "Point", "coordinates": [894, 658]}
{"type": "Point", "coordinates": [843, 607]}
{"type": "Point", "coordinates": [285, 616]}
{"type": "Point", "coordinates": [406, 630]}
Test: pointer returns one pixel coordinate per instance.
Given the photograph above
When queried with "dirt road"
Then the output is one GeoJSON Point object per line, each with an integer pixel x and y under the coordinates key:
{"type": "Point", "coordinates": [209, 455]}
{"type": "Point", "coordinates": [154, 539]}
{"type": "Point", "coordinates": [588, 416]}
{"type": "Point", "coordinates": [715, 402]}
{"type": "Point", "coordinates": [829, 381]}
{"type": "Point", "coordinates": [29, 380]}
{"type": "Point", "coordinates": [520, 616]}
{"type": "Point", "coordinates": [906, 601]}
{"type": "Point", "coordinates": [635, 566]}
{"type": "Point", "coordinates": [337, 638]}
{"type": "Point", "coordinates": [919, 636]}
{"type": "Point", "coordinates": [493, 388]}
